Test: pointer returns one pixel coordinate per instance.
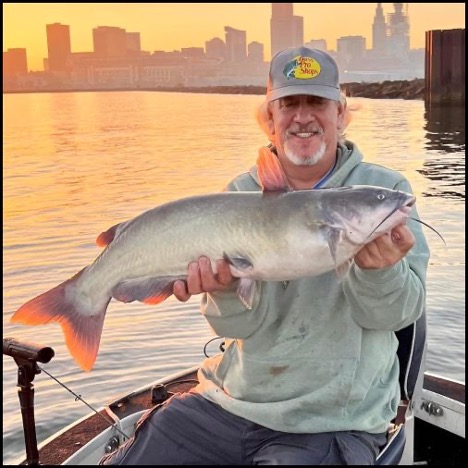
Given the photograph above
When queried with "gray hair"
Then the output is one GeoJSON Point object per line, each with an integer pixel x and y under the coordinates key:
{"type": "Point", "coordinates": [264, 116]}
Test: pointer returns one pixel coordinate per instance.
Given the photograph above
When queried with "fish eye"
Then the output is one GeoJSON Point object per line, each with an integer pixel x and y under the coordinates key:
{"type": "Point", "coordinates": [381, 196]}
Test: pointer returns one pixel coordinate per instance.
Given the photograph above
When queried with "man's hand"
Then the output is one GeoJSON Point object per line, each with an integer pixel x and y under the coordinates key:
{"type": "Point", "coordinates": [386, 250]}
{"type": "Point", "coordinates": [200, 278]}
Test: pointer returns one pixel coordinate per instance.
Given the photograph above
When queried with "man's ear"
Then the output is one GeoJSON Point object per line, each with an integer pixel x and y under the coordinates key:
{"type": "Point", "coordinates": [271, 126]}
{"type": "Point", "coordinates": [270, 122]}
{"type": "Point", "coordinates": [343, 114]}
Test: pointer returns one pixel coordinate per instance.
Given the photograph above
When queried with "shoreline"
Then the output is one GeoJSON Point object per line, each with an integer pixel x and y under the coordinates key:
{"type": "Point", "coordinates": [398, 89]}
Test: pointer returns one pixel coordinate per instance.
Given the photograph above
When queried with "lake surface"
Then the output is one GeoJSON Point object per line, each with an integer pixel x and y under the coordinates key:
{"type": "Point", "coordinates": [77, 163]}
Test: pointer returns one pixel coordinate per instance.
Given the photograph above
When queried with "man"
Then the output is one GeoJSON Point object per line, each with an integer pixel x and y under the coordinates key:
{"type": "Point", "coordinates": [310, 373]}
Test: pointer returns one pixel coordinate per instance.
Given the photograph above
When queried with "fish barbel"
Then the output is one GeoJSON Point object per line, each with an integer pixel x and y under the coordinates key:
{"type": "Point", "coordinates": [274, 235]}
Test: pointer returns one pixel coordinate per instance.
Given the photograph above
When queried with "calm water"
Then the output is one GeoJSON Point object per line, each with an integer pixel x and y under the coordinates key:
{"type": "Point", "coordinates": [77, 163]}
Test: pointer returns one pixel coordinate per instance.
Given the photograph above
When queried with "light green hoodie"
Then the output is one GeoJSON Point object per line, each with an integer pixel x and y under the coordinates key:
{"type": "Point", "coordinates": [318, 355]}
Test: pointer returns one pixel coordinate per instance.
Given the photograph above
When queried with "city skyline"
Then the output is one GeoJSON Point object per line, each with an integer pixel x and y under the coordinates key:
{"type": "Point", "coordinates": [24, 25]}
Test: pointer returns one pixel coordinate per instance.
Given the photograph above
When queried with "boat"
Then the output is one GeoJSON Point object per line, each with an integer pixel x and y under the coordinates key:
{"type": "Point", "coordinates": [429, 428]}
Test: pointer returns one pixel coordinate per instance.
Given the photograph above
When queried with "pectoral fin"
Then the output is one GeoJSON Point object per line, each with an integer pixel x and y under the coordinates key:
{"type": "Point", "coordinates": [342, 270]}
{"type": "Point", "coordinates": [333, 237]}
{"type": "Point", "coordinates": [241, 263]}
{"type": "Point", "coordinates": [147, 290]}
{"type": "Point", "coordinates": [246, 291]}
{"type": "Point", "coordinates": [247, 287]}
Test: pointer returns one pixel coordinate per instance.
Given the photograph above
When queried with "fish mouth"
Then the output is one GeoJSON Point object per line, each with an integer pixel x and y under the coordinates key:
{"type": "Point", "coordinates": [405, 209]}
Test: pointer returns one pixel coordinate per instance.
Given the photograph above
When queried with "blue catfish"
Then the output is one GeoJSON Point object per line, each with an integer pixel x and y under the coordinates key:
{"type": "Point", "coordinates": [269, 235]}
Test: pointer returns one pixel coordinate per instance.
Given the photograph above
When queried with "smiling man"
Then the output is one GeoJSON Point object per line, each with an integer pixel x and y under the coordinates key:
{"type": "Point", "coordinates": [306, 114]}
{"type": "Point", "coordinates": [309, 374]}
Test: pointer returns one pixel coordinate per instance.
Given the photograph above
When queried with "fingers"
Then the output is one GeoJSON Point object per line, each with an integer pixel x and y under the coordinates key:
{"type": "Point", "coordinates": [201, 278]}
{"type": "Point", "coordinates": [387, 249]}
{"type": "Point", "coordinates": [193, 279]}
{"type": "Point", "coordinates": [402, 236]}
{"type": "Point", "coordinates": [180, 291]}
{"type": "Point", "coordinates": [224, 272]}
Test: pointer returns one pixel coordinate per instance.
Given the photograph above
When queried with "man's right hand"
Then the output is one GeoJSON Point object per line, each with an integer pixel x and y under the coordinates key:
{"type": "Point", "coordinates": [200, 278]}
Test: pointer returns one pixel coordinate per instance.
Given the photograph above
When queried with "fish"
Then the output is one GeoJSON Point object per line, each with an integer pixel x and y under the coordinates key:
{"type": "Point", "coordinates": [275, 234]}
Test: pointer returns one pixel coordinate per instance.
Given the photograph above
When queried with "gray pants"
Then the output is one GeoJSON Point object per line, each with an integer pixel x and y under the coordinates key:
{"type": "Point", "coordinates": [187, 429]}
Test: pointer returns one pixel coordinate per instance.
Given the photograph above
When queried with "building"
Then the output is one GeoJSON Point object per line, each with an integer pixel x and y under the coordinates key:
{"type": "Point", "coordinates": [286, 30]}
{"type": "Point", "coordinates": [133, 42]}
{"type": "Point", "coordinates": [215, 48]}
{"type": "Point", "coordinates": [320, 44]}
{"type": "Point", "coordinates": [398, 44]}
{"type": "Point", "coordinates": [255, 52]}
{"type": "Point", "coordinates": [351, 50]}
{"type": "Point", "coordinates": [14, 61]}
{"type": "Point", "coordinates": [193, 52]}
{"type": "Point", "coordinates": [110, 41]}
{"type": "Point", "coordinates": [236, 45]}
{"type": "Point", "coordinates": [297, 30]}
{"type": "Point", "coordinates": [58, 46]}
{"type": "Point", "coordinates": [379, 31]}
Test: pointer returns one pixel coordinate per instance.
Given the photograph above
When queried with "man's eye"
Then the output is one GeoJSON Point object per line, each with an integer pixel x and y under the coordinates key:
{"type": "Point", "coordinates": [285, 105]}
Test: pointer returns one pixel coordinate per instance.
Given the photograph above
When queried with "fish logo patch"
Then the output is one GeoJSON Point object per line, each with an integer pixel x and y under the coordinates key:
{"type": "Point", "coordinates": [302, 68]}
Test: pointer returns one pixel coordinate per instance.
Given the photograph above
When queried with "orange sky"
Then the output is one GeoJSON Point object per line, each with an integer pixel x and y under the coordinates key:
{"type": "Point", "coordinates": [171, 26]}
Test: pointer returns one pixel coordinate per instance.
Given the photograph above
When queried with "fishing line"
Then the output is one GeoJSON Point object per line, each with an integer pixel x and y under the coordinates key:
{"type": "Point", "coordinates": [78, 397]}
{"type": "Point", "coordinates": [221, 346]}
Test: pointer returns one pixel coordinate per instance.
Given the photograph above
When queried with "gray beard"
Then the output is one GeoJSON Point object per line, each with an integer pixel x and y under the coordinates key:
{"type": "Point", "coordinates": [310, 160]}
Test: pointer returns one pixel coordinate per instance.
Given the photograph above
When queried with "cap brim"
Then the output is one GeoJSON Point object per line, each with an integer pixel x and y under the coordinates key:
{"type": "Point", "coordinates": [327, 92]}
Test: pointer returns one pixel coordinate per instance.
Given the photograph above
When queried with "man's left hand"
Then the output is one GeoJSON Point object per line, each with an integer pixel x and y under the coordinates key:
{"type": "Point", "coordinates": [386, 250]}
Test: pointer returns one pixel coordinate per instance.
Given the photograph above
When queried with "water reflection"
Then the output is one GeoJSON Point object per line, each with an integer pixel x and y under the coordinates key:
{"type": "Point", "coordinates": [445, 140]}
{"type": "Point", "coordinates": [445, 128]}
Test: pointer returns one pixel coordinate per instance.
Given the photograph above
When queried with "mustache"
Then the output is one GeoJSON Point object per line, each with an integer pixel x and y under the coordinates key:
{"type": "Point", "coordinates": [306, 129]}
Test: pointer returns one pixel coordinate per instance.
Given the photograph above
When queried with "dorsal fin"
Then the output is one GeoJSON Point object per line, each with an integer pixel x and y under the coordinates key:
{"type": "Point", "coordinates": [106, 237]}
{"type": "Point", "coordinates": [270, 173]}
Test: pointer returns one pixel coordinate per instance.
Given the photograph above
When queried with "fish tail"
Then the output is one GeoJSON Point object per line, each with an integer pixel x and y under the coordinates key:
{"type": "Point", "coordinates": [82, 328]}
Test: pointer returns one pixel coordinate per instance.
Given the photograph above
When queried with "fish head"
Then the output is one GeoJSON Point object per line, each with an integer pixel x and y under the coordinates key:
{"type": "Point", "coordinates": [364, 212]}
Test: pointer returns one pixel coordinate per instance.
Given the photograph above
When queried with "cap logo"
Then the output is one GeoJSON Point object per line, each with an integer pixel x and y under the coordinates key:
{"type": "Point", "coordinates": [302, 68]}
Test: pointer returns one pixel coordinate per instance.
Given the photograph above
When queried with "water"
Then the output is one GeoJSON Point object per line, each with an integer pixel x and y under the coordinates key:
{"type": "Point", "coordinates": [78, 163]}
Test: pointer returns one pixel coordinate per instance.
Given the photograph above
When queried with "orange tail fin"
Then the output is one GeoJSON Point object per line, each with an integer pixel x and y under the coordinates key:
{"type": "Point", "coordinates": [82, 329]}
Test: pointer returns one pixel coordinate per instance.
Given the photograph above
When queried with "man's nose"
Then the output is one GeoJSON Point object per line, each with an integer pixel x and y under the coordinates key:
{"type": "Point", "coordinates": [304, 113]}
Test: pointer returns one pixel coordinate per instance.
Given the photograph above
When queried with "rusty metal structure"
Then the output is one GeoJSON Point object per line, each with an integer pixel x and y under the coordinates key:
{"type": "Point", "coordinates": [445, 67]}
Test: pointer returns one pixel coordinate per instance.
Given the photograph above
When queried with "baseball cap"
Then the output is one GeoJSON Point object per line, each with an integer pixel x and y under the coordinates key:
{"type": "Point", "coordinates": [300, 70]}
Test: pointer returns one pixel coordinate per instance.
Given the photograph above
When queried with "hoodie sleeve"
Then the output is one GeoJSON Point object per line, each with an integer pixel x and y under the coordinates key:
{"type": "Point", "coordinates": [394, 297]}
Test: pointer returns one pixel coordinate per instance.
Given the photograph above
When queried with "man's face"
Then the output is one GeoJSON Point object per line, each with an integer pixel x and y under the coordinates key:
{"type": "Point", "coordinates": [305, 128]}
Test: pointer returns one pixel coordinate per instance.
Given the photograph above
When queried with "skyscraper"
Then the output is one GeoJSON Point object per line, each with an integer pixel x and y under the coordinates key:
{"type": "Point", "coordinates": [286, 30]}
{"type": "Point", "coordinates": [58, 46]}
{"type": "Point", "coordinates": [236, 44]}
{"type": "Point", "coordinates": [398, 33]}
{"type": "Point", "coordinates": [379, 31]}
{"type": "Point", "coordinates": [109, 41]}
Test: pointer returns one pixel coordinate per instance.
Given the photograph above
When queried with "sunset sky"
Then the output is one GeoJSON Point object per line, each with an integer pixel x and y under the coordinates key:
{"type": "Point", "coordinates": [171, 26]}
